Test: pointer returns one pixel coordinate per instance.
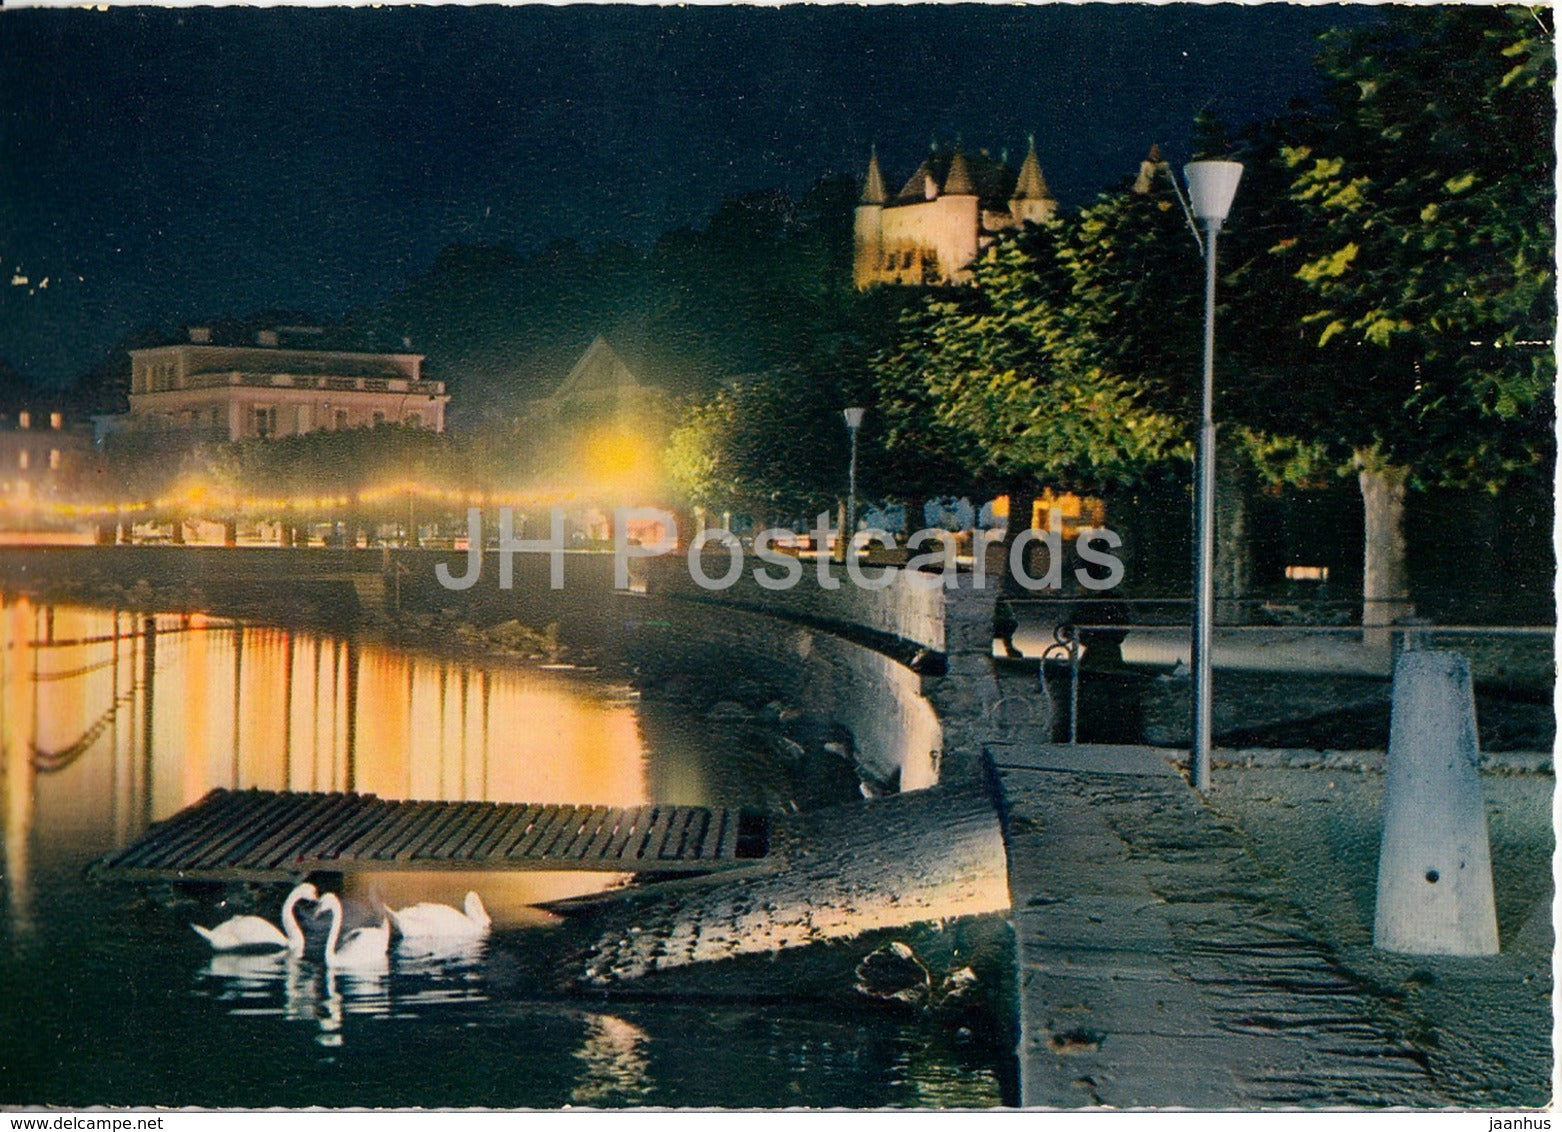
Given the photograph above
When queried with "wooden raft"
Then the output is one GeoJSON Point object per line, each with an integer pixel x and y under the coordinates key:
{"type": "Point", "coordinates": [264, 835]}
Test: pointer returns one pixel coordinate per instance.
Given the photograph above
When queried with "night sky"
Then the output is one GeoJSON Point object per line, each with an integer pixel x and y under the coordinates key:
{"type": "Point", "coordinates": [158, 166]}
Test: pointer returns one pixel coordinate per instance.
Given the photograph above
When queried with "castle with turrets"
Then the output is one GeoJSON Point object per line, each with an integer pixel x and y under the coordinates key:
{"type": "Point", "coordinates": [952, 208]}
{"type": "Point", "coordinates": [950, 211]}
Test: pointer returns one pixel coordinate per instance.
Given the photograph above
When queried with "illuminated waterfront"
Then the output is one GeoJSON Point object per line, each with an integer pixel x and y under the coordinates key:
{"type": "Point", "coordinates": [107, 727]}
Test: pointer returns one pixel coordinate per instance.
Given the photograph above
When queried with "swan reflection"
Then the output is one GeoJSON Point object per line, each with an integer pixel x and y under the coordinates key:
{"type": "Point", "coordinates": [306, 991]}
{"type": "Point", "coordinates": [439, 956]}
{"type": "Point", "coordinates": [246, 971]}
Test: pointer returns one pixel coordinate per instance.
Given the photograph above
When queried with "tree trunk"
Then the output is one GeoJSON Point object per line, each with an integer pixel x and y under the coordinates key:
{"type": "Point", "coordinates": [1233, 544]}
{"type": "Point", "coordinates": [1385, 580]}
{"type": "Point", "coordinates": [1022, 506]}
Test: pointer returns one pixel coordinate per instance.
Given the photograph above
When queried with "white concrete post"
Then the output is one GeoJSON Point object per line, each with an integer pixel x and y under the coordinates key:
{"type": "Point", "coordinates": [1434, 869]}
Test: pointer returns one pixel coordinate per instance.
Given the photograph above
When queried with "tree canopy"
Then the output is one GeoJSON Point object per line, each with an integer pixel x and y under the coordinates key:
{"type": "Point", "coordinates": [1386, 284]}
{"type": "Point", "coordinates": [1425, 181]}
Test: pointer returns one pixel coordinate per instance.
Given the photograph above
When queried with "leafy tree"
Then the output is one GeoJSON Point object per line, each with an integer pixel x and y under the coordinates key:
{"type": "Point", "coordinates": [1426, 183]}
{"type": "Point", "coordinates": [771, 446]}
{"type": "Point", "coordinates": [1002, 380]}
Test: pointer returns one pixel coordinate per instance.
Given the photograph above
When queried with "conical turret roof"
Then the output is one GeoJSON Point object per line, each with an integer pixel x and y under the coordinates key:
{"type": "Point", "coordinates": [1031, 185]}
{"type": "Point", "coordinates": [873, 191]}
{"type": "Point", "coordinates": [958, 181]}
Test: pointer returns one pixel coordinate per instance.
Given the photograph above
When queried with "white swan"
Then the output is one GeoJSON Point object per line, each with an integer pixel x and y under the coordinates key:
{"type": "Point", "coordinates": [362, 949]}
{"type": "Point", "coordinates": [441, 921]}
{"type": "Point", "coordinates": [254, 932]}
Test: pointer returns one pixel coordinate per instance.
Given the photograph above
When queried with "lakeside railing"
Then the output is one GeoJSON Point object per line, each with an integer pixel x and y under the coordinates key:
{"type": "Point", "coordinates": [1064, 656]}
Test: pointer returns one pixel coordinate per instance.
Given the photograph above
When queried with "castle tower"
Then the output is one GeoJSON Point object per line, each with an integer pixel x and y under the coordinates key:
{"type": "Point", "coordinates": [1151, 164]}
{"type": "Point", "coordinates": [952, 229]}
{"type": "Point", "coordinates": [868, 229]}
{"type": "Point", "coordinates": [935, 229]}
{"type": "Point", "coordinates": [957, 183]}
{"type": "Point", "coordinates": [1032, 200]}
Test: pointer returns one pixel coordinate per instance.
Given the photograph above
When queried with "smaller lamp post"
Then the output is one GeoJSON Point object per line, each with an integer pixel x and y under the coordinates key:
{"type": "Point", "coordinates": [853, 423]}
{"type": "Point", "coordinates": [1212, 185]}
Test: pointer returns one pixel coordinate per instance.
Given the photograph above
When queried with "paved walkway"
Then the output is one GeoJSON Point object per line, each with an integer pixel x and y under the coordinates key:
{"type": "Point", "coordinates": [1159, 966]}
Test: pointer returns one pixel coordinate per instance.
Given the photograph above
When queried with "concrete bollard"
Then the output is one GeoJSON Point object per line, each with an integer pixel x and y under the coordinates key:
{"type": "Point", "coordinates": [1434, 868]}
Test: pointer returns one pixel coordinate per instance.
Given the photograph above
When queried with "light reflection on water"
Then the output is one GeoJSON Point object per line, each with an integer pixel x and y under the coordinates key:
{"type": "Point", "coordinates": [110, 721]}
{"type": "Point", "coordinates": [114, 721]}
{"type": "Point", "coordinates": [280, 985]}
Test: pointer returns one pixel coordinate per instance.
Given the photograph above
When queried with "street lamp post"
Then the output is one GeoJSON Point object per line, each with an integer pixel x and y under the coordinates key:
{"type": "Point", "coordinates": [1211, 186]}
{"type": "Point", "coordinates": [853, 423]}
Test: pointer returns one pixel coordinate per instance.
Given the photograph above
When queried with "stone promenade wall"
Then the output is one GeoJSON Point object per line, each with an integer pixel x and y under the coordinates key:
{"type": "Point", "coordinates": [906, 668]}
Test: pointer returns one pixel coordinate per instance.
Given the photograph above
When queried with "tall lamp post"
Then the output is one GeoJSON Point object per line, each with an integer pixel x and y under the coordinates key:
{"type": "Point", "coordinates": [853, 423]}
{"type": "Point", "coordinates": [1211, 186]}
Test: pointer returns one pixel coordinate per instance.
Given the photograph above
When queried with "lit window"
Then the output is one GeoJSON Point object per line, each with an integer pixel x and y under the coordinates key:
{"type": "Point", "coordinates": [54, 459]}
{"type": "Point", "coordinates": [23, 459]}
{"type": "Point", "coordinates": [24, 419]}
{"type": "Point", "coordinates": [56, 420]}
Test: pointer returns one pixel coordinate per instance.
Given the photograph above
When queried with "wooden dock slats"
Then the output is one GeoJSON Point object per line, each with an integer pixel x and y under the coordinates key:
{"type": "Point", "coordinates": [283, 844]}
{"type": "Point", "coordinates": [563, 829]}
{"type": "Point", "coordinates": [672, 836]}
{"type": "Point", "coordinates": [336, 842]}
{"type": "Point", "coordinates": [631, 825]}
{"type": "Point", "coordinates": [348, 816]}
{"type": "Point", "coordinates": [442, 817]}
{"type": "Point", "coordinates": [181, 829]}
{"type": "Point", "coordinates": [259, 848]}
{"type": "Point", "coordinates": [386, 833]}
{"type": "Point", "coordinates": [413, 818]}
{"type": "Point", "coordinates": [542, 832]}
{"type": "Point", "coordinates": [266, 835]}
{"type": "Point", "coordinates": [210, 852]}
{"type": "Point", "coordinates": [693, 834]}
{"type": "Point", "coordinates": [590, 822]}
{"type": "Point", "coordinates": [727, 842]}
{"type": "Point", "coordinates": [510, 830]}
{"type": "Point", "coordinates": [601, 836]}
{"type": "Point", "coordinates": [488, 817]}
{"type": "Point", "coordinates": [193, 832]}
{"type": "Point", "coordinates": [646, 844]}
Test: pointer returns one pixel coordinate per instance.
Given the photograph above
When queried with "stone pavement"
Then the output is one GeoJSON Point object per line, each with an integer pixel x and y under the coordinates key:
{"type": "Point", "coordinates": [1161, 967]}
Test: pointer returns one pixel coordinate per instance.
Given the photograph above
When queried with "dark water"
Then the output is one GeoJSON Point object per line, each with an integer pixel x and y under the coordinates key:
{"type": "Point", "coordinates": [109, 998]}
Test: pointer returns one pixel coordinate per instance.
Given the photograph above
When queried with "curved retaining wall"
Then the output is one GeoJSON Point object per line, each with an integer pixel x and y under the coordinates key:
{"type": "Point", "coordinates": [907, 669]}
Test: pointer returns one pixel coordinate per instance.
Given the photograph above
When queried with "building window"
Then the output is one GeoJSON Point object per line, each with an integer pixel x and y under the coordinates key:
{"type": "Point", "coordinates": [54, 459]}
{"type": "Point", "coordinates": [379, 417]}
{"type": "Point", "coordinates": [56, 420]}
{"type": "Point", "coordinates": [414, 420]}
{"type": "Point", "coordinates": [302, 421]}
{"type": "Point", "coordinates": [264, 420]}
{"type": "Point", "coordinates": [24, 419]}
{"type": "Point", "coordinates": [341, 419]}
{"type": "Point", "coordinates": [23, 459]}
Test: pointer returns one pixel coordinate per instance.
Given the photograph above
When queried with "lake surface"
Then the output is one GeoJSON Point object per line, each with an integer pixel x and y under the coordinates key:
{"type": "Point", "coordinates": [110, 721]}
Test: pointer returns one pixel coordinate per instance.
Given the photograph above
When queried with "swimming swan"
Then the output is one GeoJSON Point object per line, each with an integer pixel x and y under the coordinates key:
{"type": "Point", "coordinates": [441, 921]}
{"type": "Point", "coordinates": [254, 932]}
{"type": "Point", "coordinates": [362, 948]}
